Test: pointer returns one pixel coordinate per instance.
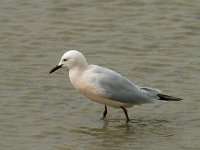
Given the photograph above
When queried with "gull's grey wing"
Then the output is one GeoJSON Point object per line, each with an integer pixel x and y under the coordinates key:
{"type": "Point", "coordinates": [117, 87]}
{"type": "Point", "coordinates": [152, 92]}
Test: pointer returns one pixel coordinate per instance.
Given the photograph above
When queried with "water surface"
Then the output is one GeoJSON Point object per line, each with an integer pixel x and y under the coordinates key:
{"type": "Point", "coordinates": [153, 43]}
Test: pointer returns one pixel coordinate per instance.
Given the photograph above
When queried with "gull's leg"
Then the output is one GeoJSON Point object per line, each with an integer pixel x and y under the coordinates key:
{"type": "Point", "coordinates": [105, 112]}
{"type": "Point", "coordinates": [126, 113]}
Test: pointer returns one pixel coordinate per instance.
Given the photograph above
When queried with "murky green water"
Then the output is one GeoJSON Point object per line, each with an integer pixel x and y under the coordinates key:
{"type": "Point", "coordinates": [153, 43]}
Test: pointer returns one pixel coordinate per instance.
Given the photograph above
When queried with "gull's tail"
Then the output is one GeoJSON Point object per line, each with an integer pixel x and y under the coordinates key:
{"type": "Point", "coordinates": [168, 98]}
{"type": "Point", "coordinates": [156, 94]}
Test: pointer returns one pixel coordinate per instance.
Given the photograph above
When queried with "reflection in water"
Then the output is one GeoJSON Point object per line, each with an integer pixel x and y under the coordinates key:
{"type": "Point", "coordinates": [111, 133]}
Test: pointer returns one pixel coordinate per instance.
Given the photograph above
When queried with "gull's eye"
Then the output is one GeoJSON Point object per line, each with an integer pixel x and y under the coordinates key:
{"type": "Point", "coordinates": [64, 59]}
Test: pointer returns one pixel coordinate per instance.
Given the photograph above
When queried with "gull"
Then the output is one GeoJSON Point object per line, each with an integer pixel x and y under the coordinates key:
{"type": "Point", "coordinates": [106, 86]}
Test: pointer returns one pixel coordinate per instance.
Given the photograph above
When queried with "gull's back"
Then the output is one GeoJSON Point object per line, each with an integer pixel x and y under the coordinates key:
{"type": "Point", "coordinates": [116, 87]}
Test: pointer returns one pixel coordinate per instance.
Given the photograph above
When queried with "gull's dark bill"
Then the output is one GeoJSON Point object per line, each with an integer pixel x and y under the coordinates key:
{"type": "Point", "coordinates": [55, 68]}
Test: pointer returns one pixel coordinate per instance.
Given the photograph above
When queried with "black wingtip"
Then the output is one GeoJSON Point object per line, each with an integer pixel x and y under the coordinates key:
{"type": "Point", "coordinates": [168, 98]}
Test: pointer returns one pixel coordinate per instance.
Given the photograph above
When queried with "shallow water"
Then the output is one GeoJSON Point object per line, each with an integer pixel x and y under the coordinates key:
{"type": "Point", "coordinates": [153, 43]}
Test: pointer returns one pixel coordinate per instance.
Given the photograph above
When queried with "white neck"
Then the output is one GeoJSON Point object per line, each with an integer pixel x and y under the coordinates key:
{"type": "Point", "coordinates": [75, 74]}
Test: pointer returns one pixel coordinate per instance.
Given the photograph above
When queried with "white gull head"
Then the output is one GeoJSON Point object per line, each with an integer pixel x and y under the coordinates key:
{"type": "Point", "coordinates": [71, 59]}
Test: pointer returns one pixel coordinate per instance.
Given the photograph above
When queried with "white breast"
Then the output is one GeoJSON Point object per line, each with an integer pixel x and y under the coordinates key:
{"type": "Point", "coordinates": [91, 91]}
